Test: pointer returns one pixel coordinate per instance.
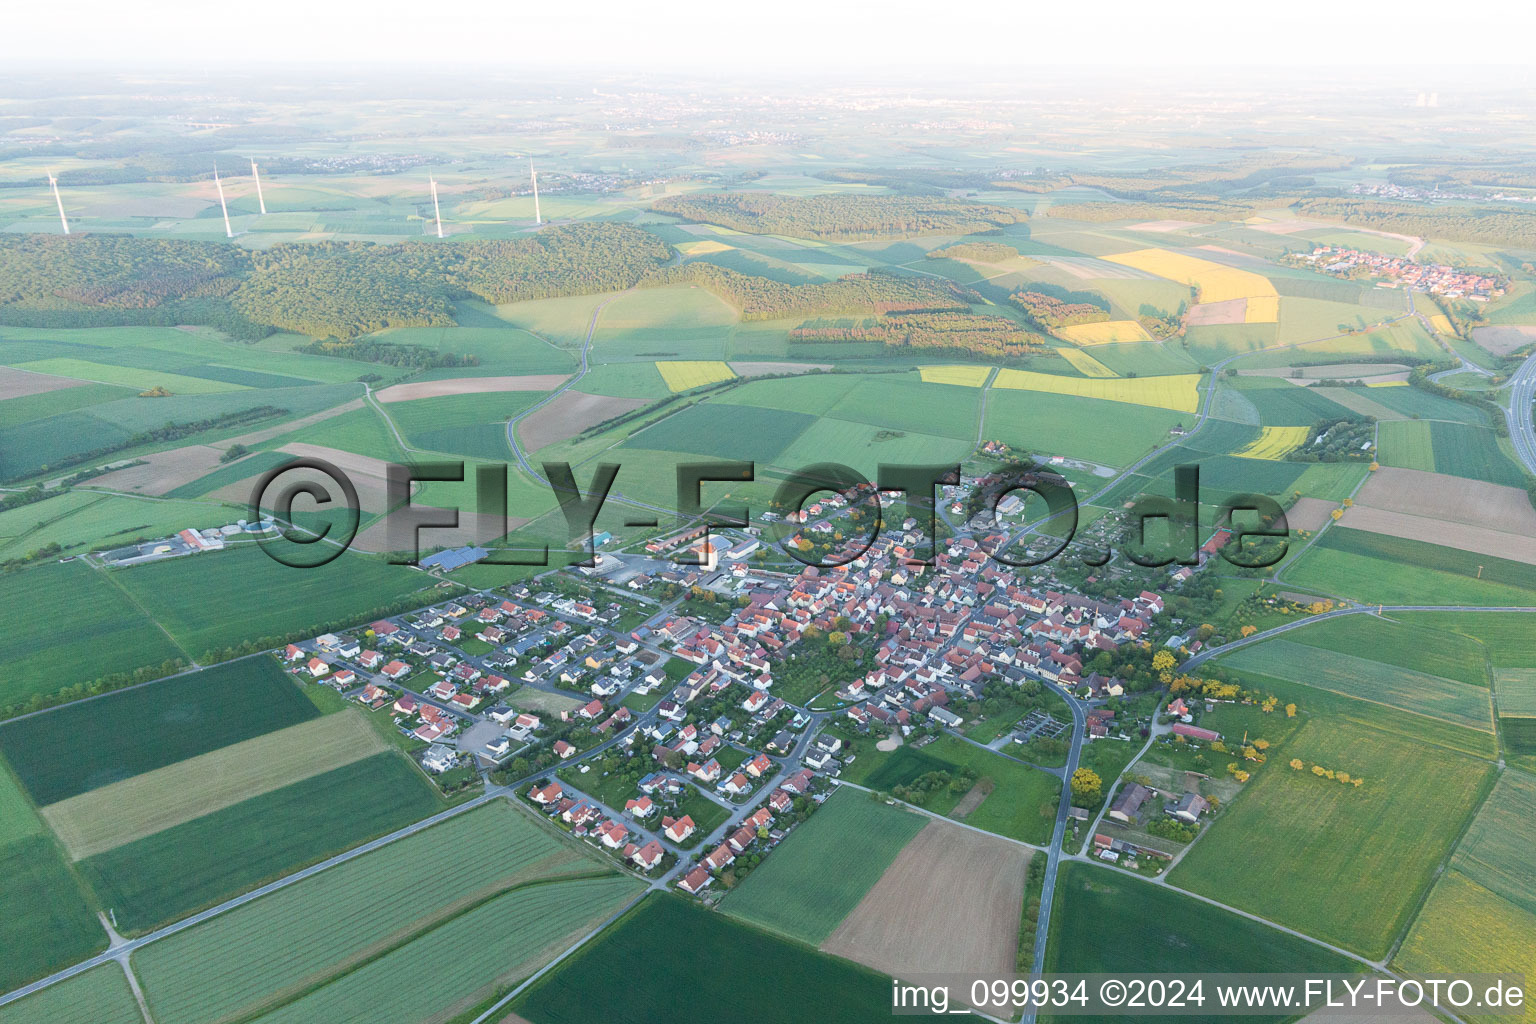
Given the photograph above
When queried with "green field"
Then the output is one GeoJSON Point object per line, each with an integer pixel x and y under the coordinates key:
{"type": "Point", "coordinates": [45, 922]}
{"type": "Point", "coordinates": [474, 426]}
{"type": "Point", "coordinates": [206, 602]}
{"type": "Point", "coordinates": [776, 978]}
{"type": "Point", "coordinates": [99, 996]}
{"type": "Point", "coordinates": [818, 875]}
{"type": "Point", "coordinates": [1110, 922]}
{"type": "Point", "coordinates": [1021, 806]}
{"type": "Point", "coordinates": [1378, 569]}
{"type": "Point", "coordinates": [67, 624]}
{"type": "Point", "coordinates": [81, 746]}
{"type": "Point", "coordinates": [722, 431]}
{"type": "Point", "coordinates": [172, 873]}
{"type": "Point", "coordinates": [1446, 699]}
{"type": "Point", "coordinates": [1481, 914]}
{"type": "Point", "coordinates": [1343, 863]}
{"type": "Point", "coordinates": [260, 955]}
{"type": "Point", "coordinates": [1436, 446]}
{"type": "Point", "coordinates": [1505, 635]}
{"type": "Point", "coordinates": [1401, 641]}
{"type": "Point", "coordinates": [1517, 691]}
{"type": "Point", "coordinates": [1051, 424]}
{"type": "Point", "coordinates": [473, 957]}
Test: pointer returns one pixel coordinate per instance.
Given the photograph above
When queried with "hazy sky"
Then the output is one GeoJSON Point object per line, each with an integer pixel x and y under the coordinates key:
{"type": "Point", "coordinates": [769, 35]}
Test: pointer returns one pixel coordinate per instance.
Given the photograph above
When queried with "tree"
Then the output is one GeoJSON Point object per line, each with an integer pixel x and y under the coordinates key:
{"type": "Point", "coordinates": [1297, 763]}
{"type": "Point", "coordinates": [1163, 661]}
{"type": "Point", "coordinates": [1248, 631]}
{"type": "Point", "coordinates": [1290, 711]}
{"type": "Point", "coordinates": [1087, 787]}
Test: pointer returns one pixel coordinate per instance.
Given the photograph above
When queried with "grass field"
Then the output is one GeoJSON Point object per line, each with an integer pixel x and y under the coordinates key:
{"type": "Point", "coordinates": [1456, 702]}
{"type": "Point", "coordinates": [108, 817]}
{"type": "Point", "coordinates": [1274, 443]}
{"type": "Point", "coordinates": [1517, 692]}
{"type": "Point", "coordinates": [958, 375]}
{"type": "Point", "coordinates": [474, 956]}
{"type": "Point", "coordinates": [1378, 569]}
{"type": "Point", "coordinates": [288, 942]}
{"type": "Point", "coordinates": [745, 432]}
{"type": "Point", "coordinates": [99, 996]}
{"type": "Point", "coordinates": [209, 859]}
{"type": "Point", "coordinates": [67, 624]}
{"type": "Point", "coordinates": [1179, 392]}
{"type": "Point", "coordinates": [1109, 922]}
{"type": "Point", "coordinates": [1458, 449]}
{"type": "Point", "coordinates": [207, 606]}
{"type": "Point", "coordinates": [1481, 914]}
{"type": "Point", "coordinates": [1215, 282]}
{"type": "Point", "coordinates": [128, 376]}
{"type": "Point", "coordinates": [79, 747]}
{"type": "Point", "coordinates": [1343, 863]}
{"type": "Point", "coordinates": [1401, 640]}
{"type": "Point", "coordinates": [666, 934]}
{"type": "Point", "coordinates": [1021, 806]}
{"type": "Point", "coordinates": [1051, 423]}
{"type": "Point", "coordinates": [45, 921]}
{"type": "Point", "coordinates": [1106, 332]}
{"type": "Point", "coordinates": [1085, 364]}
{"type": "Point", "coordinates": [819, 874]}
{"type": "Point", "coordinates": [682, 375]}
{"type": "Point", "coordinates": [1505, 636]}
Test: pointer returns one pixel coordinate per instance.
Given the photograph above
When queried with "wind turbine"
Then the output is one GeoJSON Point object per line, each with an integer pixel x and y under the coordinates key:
{"type": "Point", "coordinates": [436, 210]}
{"type": "Point", "coordinates": [54, 182]}
{"type": "Point", "coordinates": [533, 176]}
{"type": "Point", "coordinates": [229, 232]}
{"type": "Point", "coordinates": [259, 198]}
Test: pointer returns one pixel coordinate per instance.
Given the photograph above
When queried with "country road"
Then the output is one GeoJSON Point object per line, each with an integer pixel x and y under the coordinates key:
{"type": "Point", "coordinates": [1522, 393]}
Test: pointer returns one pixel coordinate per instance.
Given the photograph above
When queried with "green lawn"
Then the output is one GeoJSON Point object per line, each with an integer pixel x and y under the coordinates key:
{"type": "Point", "coordinates": [778, 979]}
{"type": "Point", "coordinates": [1110, 922]}
{"type": "Point", "coordinates": [172, 873]}
{"type": "Point", "coordinates": [83, 746]}
{"type": "Point", "coordinates": [1344, 863]}
{"type": "Point", "coordinates": [817, 876]}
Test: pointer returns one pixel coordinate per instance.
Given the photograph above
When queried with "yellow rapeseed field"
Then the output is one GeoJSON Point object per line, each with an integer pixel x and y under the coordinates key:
{"type": "Point", "coordinates": [1106, 332]}
{"type": "Point", "coordinates": [1085, 364]}
{"type": "Point", "coordinates": [962, 376]}
{"type": "Point", "coordinates": [1262, 309]}
{"type": "Point", "coordinates": [1179, 392]}
{"type": "Point", "coordinates": [1217, 283]}
{"type": "Point", "coordinates": [1387, 384]}
{"type": "Point", "coordinates": [681, 375]}
{"type": "Point", "coordinates": [1274, 443]}
{"type": "Point", "coordinates": [1442, 323]}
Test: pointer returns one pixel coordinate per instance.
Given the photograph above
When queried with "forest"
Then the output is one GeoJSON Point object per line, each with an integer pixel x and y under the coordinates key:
{"type": "Point", "coordinates": [1050, 313]}
{"type": "Point", "coordinates": [1497, 225]}
{"type": "Point", "coordinates": [988, 337]}
{"type": "Point", "coordinates": [762, 298]}
{"type": "Point", "coordinates": [838, 217]}
{"type": "Point", "coordinates": [981, 252]}
{"type": "Point", "coordinates": [323, 290]}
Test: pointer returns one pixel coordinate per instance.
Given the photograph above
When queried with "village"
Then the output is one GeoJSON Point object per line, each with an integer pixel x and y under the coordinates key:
{"type": "Point", "coordinates": [651, 723]}
{"type": "Point", "coordinates": [1402, 272]}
